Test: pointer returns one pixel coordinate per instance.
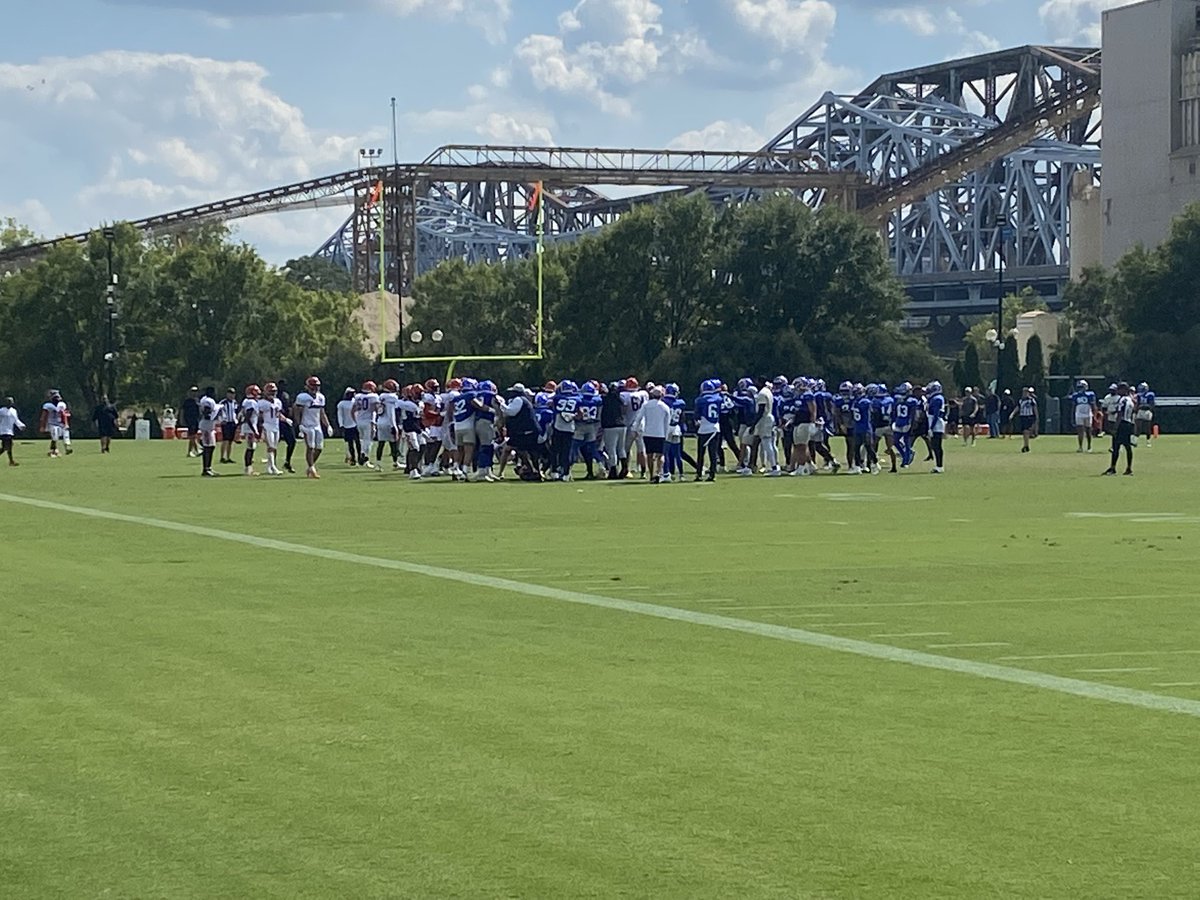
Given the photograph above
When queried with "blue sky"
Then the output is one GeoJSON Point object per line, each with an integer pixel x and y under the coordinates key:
{"type": "Point", "coordinates": [113, 109]}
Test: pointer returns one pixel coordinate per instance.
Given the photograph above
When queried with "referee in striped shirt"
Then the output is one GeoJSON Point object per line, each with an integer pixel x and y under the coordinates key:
{"type": "Point", "coordinates": [1122, 430]}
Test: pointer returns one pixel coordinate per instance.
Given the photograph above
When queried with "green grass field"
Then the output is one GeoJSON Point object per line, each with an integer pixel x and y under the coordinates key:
{"type": "Point", "coordinates": [185, 714]}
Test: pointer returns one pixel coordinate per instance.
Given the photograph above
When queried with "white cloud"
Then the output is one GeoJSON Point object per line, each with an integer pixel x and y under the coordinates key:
{"type": "Point", "coordinates": [508, 129]}
{"type": "Point", "coordinates": [917, 19]}
{"type": "Point", "coordinates": [719, 135]}
{"type": "Point", "coordinates": [490, 16]}
{"type": "Point", "coordinates": [483, 122]}
{"type": "Point", "coordinates": [789, 24]}
{"type": "Point", "coordinates": [928, 21]}
{"type": "Point", "coordinates": [1076, 21]}
{"type": "Point", "coordinates": [135, 134]}
{"type": "Point", "coordinates": [554, 68]}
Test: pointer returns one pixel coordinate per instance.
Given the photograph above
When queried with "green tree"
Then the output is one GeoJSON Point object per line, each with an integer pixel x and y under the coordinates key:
{"type": "Point", "coordinates": [14, 234]}
{"type": "Point", "coordinates": [186, 307]}
{"type": "Point", "coordinates": [971, 373]}
{"type": "Point", "coordinates": [1009, 375]}
{"type": "Point", "coordinates": [1034, 372]}
{"type": "Point", "coordinates": [312, 273]}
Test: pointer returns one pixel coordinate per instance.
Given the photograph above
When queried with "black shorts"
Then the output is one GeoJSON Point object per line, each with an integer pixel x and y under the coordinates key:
{"type": "Point", "coordinates": [654, 444]}
{"type": "Point", "coordinates": [1027, 422]}
{"type": "Point", "coordinates": [6, 443]}
{"type": "Point", "coordinates": [192, 425]}
{"type": "Point", "coordinates": [350, 435]}
{"type": "Point", "coordinates": [228, 431]}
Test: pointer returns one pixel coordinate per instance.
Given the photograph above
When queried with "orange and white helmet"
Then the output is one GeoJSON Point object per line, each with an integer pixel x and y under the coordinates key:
{"type": "Point", "coordinates": [391, 385]}
{"type": "Point", "coordinates": [454, 384]}
{"type": "Point", "coordinates": [550, 386]}
{"type": "Point", "coordinates": [270, 388]}
{"type": "Point", "coordinates": [253, 391]}
{"type": "Point", "coordinates": [312, 382]}
{"type": "Point", "coordinates": [432, 385]}
{"type": "Point", "coordinates": [631, 383]}
{"type": "Point", "coordinates": [368, 387]}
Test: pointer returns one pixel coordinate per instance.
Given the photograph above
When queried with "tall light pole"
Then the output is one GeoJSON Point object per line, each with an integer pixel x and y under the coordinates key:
{"type": "Point", "coordinates": [1002, 233]}
{"type": "Point", "coordinates": [110, 308]}
{"type": "Point", "coordinates": [369, 158]}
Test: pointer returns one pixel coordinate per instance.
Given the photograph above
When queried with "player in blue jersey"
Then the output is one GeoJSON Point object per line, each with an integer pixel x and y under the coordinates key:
{"type": "Point", "coordinates": [562, 429]}
{"type": "Point", "coordinates": [864, 452]}
{"type": "Point", "coordinates": [543, 416]}
{"type": "Point", "coordinates": [708, 428]}
{"type": "Point", "coordinates": [883, 408]}
{"type": "Point", "coordinates": [483, 405]}
{"type": "Point", "coordinates": [673, 448]}
{"type": "Point", "coordinates": [935, 408]}
{"type": "Point", "coordinates": [1083, 409]}
{"type": "Point", "coordinates": [1143, 417]}
{"type": "Point", "coordinates": [843, 404]}
{"type": "Point", "coordinates": [463, 416]}
{"type": "Point", "coordinates": [902, 424]}
{"type": "Point", "coordinates": [827, 425]}
{"type": "Point", "coordinates": [743, 401]}
{"type": "Point", "coordinates": [800, 414]}
{"type": "Point", "coordinates": [587, 430]}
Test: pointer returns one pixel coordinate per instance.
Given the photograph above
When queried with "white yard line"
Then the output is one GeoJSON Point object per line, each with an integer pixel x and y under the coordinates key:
{"type": "Point", "coordinates": [1074, 686]}
{"type": "Point", "coordinates": [911, 634]}
{"type": "Point", "coordinates": [1108, 671]}
{"type": "Point", "coordinates": [1176, 684]}
{"type": "Point", "coordinates": [972, 644]}
{"type": "Point", "coordinates": [1097, 655]}
{"type": "Point", "coordinates": [848, 624]}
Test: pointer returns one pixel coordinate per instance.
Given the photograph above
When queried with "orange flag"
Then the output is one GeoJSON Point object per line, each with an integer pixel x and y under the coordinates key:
{"type": "Point", "coordinates": [376, 193]}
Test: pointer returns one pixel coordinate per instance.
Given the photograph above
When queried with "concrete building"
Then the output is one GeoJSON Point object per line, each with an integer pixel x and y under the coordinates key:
{"type": "Point", "coordinates": [1150, 151]}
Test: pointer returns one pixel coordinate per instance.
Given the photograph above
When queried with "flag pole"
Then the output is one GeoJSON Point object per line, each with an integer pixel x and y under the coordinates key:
{"type": "Point", "coordinates": [541, 234]}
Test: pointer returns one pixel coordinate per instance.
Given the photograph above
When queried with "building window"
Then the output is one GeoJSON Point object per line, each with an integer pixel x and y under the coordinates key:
{"type": "Point", "coordinates": [1189, 100]}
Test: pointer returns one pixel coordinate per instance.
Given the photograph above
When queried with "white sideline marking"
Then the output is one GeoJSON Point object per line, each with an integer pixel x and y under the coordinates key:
{"type": "Point", "coordinates": [1107, 671]}
{"type": "Point", "coordinates": [974, 644]}
{"type": "Point", "coordinates": [773, 606]}
{"type": "Point", "coordinates": [1074, 686]}
{"type": "Point", "coordinates": [1176, 684]}
{"type": "Point", "coordinates": [1098, 655]}
{"type": "Point", "coordinates": [908, 634]}
{"type": "Point", "coordinates": [848, 624]}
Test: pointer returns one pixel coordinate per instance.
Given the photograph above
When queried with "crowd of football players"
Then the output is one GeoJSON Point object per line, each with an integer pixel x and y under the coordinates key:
{"type": "Point", "coordinates": [470, 430]}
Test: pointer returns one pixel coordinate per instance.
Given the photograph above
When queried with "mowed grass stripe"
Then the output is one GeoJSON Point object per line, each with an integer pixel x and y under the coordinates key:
{"type": "Point", "coordinates": [1027, 678]}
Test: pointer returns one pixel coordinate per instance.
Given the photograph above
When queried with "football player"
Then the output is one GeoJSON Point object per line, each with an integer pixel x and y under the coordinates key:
{"type": "Point", "coordinates": [366, 411]}
{"type": "Point", "coordinates": [1083, 403]}
{"type": "Point", "coordinates": [314, 424]}
{"type": "Point", "coordinates": [270, 417]}
{"type": "Point", "coordinates": [249, 427]}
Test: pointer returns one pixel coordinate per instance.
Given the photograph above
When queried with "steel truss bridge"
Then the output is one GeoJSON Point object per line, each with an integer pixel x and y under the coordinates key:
{"type": "Point", "coordinates": [957, 163]}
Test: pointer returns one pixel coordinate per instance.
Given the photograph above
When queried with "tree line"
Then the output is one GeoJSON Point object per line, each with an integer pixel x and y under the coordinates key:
{"type": "Point", "coordinates": [1140, 320]}
{"type": "Point", "coordinates": [192, 309]}
{"type": "Point", "coordinates": [681, 291]}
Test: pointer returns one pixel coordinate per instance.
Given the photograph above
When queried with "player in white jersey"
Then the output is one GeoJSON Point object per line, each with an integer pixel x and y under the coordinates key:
{"type": "Point", "coordinates": [249, 426]}
{"type": "Point", "coordinates": [314, 425]}
{"type": "Point", "coordinates": [10, 424]}
{"type": "Point", "coordinates": [764, 425]}
{"type": "Point", "coordinates": [270, 413]}
{"type": "Point", "coordinates": [366, 411]}
{"type": "Point", "coordinates": [388, 425]}
{"type": "Point", "coordinates": [633, 398]}
{"type": "Point", "coordinates": [208, 431]}
{"type": "Point", "coordinates": [52, 421]}
{"type": "Point", "coordinates": [431, 425]}
{"type": "Point", "coordinates": [348, 426]}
